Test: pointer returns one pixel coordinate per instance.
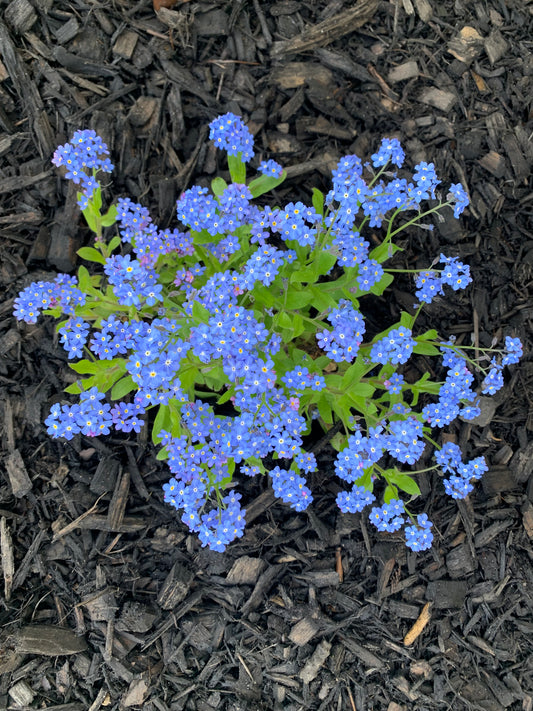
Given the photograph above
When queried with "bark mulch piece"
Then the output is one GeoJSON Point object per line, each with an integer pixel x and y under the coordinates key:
{"type": "Point", "coordinates": [107, 601]}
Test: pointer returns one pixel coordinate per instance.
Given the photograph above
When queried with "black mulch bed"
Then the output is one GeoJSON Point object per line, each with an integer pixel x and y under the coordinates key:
{"type": "Point", "coordinates": [108, 602]}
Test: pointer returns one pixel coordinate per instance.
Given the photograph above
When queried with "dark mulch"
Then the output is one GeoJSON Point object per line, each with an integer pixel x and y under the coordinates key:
{"type": "Point", "coordinates": [108, 603]}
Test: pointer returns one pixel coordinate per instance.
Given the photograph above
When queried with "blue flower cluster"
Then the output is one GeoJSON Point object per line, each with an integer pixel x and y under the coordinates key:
{"type": "Point", "coordinates": [419, 537]}
{"type": "Point", "coordinates": [91, 416]}
{"type": "Point", "coordinates": [290, 488]}
{"type": "Point", "coordinates": [85, 152]}
{"type": "Point", "coordinates": [389, 517]}
{"type": "Point", "coordinates": [429, 283]}
{"type": "Point", "coordinates": [201, 309]}
{"type": "Point", "coordinates": [494, 378]}
{"type": "Point", "coordinates": [270, 167]}
{"type": "Point", "coordinates": [454, 392]}
{"type": "Point", "coordinates": [396, 347]}
{"type": "Point", "coordinates": [42, 295]}
{"type": "Point", "coordinates": [228, 132]}
{"type": "Point", "coordinates": [343, 341]}
{"type": "Point", "coordinates": [459, 485]}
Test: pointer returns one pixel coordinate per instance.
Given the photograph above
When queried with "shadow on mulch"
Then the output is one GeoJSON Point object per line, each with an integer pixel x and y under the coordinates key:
{"type": "Point", "coordinates": [108, 603]}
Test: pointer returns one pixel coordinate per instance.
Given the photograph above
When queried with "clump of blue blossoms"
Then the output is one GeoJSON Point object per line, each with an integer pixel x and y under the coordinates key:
{"type": "Point", "coordinates": [244, 326]}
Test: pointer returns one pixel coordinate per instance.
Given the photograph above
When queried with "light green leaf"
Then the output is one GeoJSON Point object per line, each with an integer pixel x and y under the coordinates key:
{"type": "Point", "coordinates": [90, 254]}
{"type": "Point", "coordinates": [264, 184]}
{"type": "Point", "coordinates": [405, 483]}
{"type": "Point", "coordinates": [123, 387]}
{"type": "Point", "coordinates": [237, 169]}
{"type": "Point", "coordinates": [114, 243]}
{"type": "Point", "coordinates": [162, 422]}
{"type": "Point", "coordinates": [426, 349]}
{"type": "Point", "coordinates": [200, 313]}
{"type": "Point", "coordinates": [218, 186]}
{"type": "Point", "coordinates": [318, 201]}
{"type": "Point", "coordinates": [383, 252]}
{"type": "Point", "coordinates": [110, 217]}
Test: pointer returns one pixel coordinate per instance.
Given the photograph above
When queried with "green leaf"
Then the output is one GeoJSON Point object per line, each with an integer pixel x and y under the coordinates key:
{"type": "Point", "coordinates": [318, 201]}
{"type": "Point", "coordinates": [324, 410]}
{"type": "Point", "coordinates": [85, 367]}
{"type": "Point", "coordinates": [321, 299]}
{"type": "Point", "coordinates": [297, 298]}
{"type": "Point", "coordinates": [298, 325]}
{"type": "Point", "coordinates": [226, 396]}
{"type": "Point", "coordinates": [353, 374]}
{"type": "Point", "coordinates": [383, 252]}
{"type": "Point", "coordinates": [85, 282]}
{"type": "Point", "coordinates": [90, 217]}
{"type": "Point", "coordinates": [162, 422]}
{"type": "Point", "coordinates": [162, 454]}
{"type": "Point", "coordinates": [90, 254]}
{"type": "Point", "coordinates": [405, 483]}
{"type": "Point", "coordinates": [319, 267]}
{"type": "Point", "coordinates": [264, 184]}
{"type": "Point", "coordinates": [114, 243]}
{"type": "Point", "coordinates": [430, 335]}
{"type": "Point", "coordinates": [189, 377]}
{"type": "Point", "coordinates": [390, 493]}
{"type": "Point", "coordinates": [203, 237]}
{"type": "Point", "coordinates": [123, 387]}
{"type": "Point", "coordinates": [426, 349]}
{"type": "Point", "coordinates": [406, 320]}
{"type": "Point", "coordinates": [73, 389]}
{"type": "Point", "coordinates": [342, 407]}
{"type": "Point", "coordinates": [263, 296]}
{"type": "Point", "coordinates": [218, 186]}
{"type": "Point", "coordinates": [237, 169]}
{"type": "Point", "coordinates": [110, 217]}
{"type": "Point", "coordinates": [200, 313]}
{"type": "Point", "coordinates": [385, 281]}
{"type": "Point", "coordinates": [323, 263]}
{"type": "Point", "coordinates": [97, 200]}
{"type": "Point", "coordinates": [283, 320]}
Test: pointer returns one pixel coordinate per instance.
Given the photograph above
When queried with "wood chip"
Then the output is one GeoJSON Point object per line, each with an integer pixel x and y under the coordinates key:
{"type": "Point", "coordinates": [21, 693]}
{"type": "Point", "coordinates": [295, 74]}
{"type": "Point", "coordinates": [368, 658]}
{"type": "Point", "coordinates": [439, 99]}
{"type": "Point", "coordinates": [460, 562]}
{"type": "Point", "coordinates": [527, 518]}
{"type": "Point", "coordinates": [20, 15]}
{"type": "Point", "coordinates": [303, 631]}
{"type": "Point", "coordinates": [495, 46]}
{"type": "Point", "coordinates": [245, 571]}
{"type": "Point", "coordinates": [48, 640]}
{"type": "Point", "coordinates": [467, 45]}
{"type": "Point", "coordinates": [175, 588]}
{"type": "Point", "coordinates": [327, 31]}
{"type": "Point", "coordinates": [125, 44]}
{"type": "Point", "coordinates": [136, 693]}
{"type": "Point", "coordinates": [447, 594]}
{"type": "Point", "coordinates": [495, 164]}
{"type": "Point", "coordinates": [424, 10]}
{"type": "Point", "coordinates": [8, 562]}
{"type": "Point", "coordinates": [404, 71]}
{"type": "Point", "coordinates": [317, 659]}
{"type": "Point", "coordinates": [18, 476]}
{"type": "Point", "coordinates": [117, 507]}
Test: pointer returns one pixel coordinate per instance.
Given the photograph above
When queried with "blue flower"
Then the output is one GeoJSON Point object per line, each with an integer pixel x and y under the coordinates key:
{"type": "Point", "coordinates": [231, 134]}
{"type": "Point", "coordinates": [419, 537]}
{"type": "Point", "coordinates": [270, 167]}
{"type": "Point", "coordinates": [459, 196]}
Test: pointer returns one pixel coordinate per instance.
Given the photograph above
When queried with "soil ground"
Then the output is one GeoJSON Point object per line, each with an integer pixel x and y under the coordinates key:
{"type": "Point", "coordinates": [108, 602]}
